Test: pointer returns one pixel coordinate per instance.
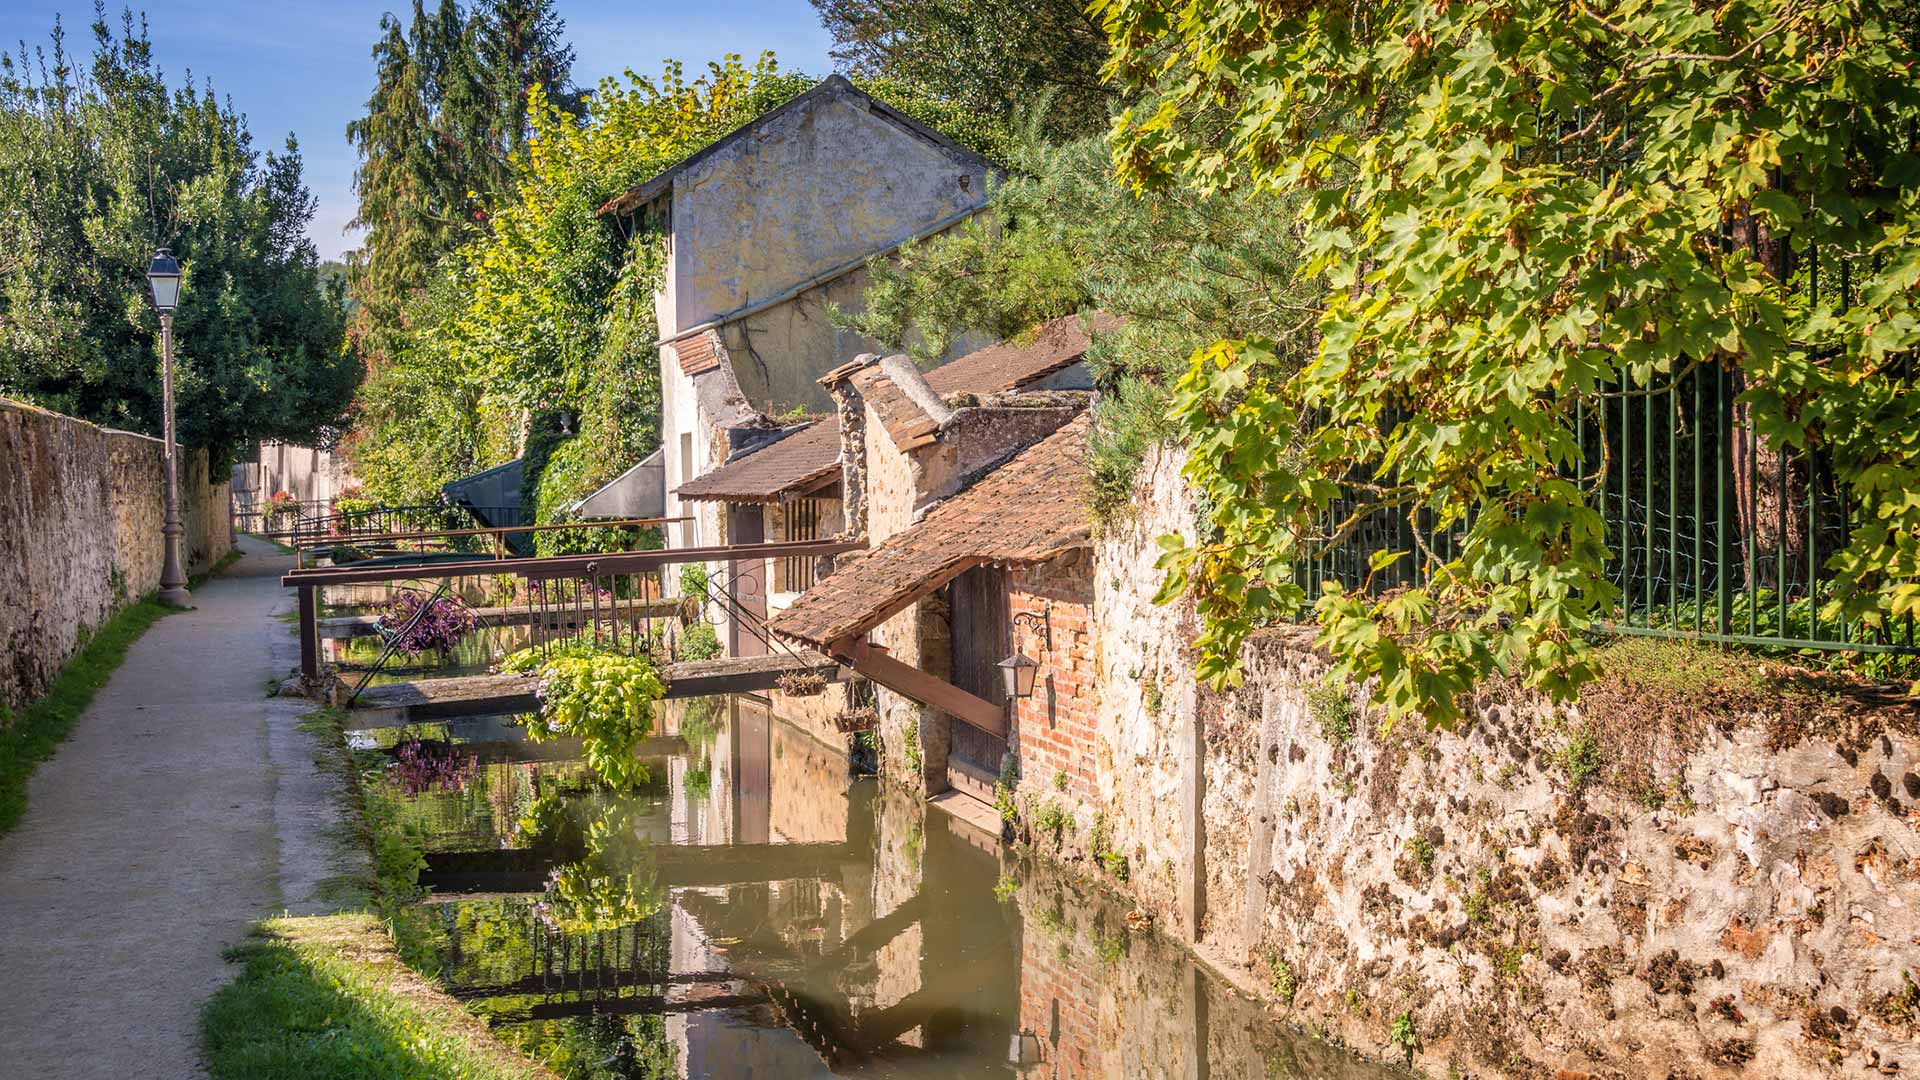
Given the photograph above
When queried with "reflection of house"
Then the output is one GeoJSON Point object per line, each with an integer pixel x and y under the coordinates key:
{"type": "Point", "coordinates": [974, 504]}
{"type": "Point", "coordinates": [766, 227]}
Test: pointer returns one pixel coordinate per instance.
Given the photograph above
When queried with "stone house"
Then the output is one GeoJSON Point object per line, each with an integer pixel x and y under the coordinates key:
{"type": "Point", "coordinates": [969, 485]}
{"type": "Point", "coordinates": [766, 227]}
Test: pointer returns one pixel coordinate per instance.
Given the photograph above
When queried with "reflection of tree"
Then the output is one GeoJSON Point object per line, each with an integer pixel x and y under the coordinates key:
{"type": "Point", "coordinates": [615, 884]}
{"type": "Point", "coordinates": [603, 1047]}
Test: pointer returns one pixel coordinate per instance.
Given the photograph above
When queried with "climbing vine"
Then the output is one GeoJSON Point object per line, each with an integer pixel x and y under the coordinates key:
{"type": "Point", "coordinates": [1516, 206]}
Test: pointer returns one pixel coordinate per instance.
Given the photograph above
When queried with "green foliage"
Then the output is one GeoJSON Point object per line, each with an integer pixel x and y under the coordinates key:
{"type": "Point", "coordinates": [602, 697]}
{"type": "Point", "coordinates": [1182, 268]}
{"type": "Point", "coordinates": [31, 736]}
{"type": "Point", "coordinates": [616, 885]}
{"type": "Point", "coordinates": [1005, 888]}
{"type": "Point", "coordinates": [1054, 820]}
{"type": "Point", "coordinates": [447, 114]}
{"type": "Point", "coordinates": [101, 161]}
{"type": "Point", "coordinates": [599, 539]}
{"type": "Point", "coordinates": [1421, 849]}
{"type": "Point", "coordinates": [990, 57]}
{"type": "Point", "coordinates": [1331, 706]}
{"type": "Point", "coordinates": [398, 844]}
{"type": "Point", "coordinates": [1111, 948]}
{"type": "Point", "coordinates": [1281, 979]}
{"type": "Point", "coordinates": [693, 580]}
{"type": "Point", "coordinates": [700, 642]}
{"type": "Point", "coordinates": [1582, 757]}
{"type": "Point", "coordinates": [1514, 207]}
{"type": "Point", "coordinates": [1404, 1035]}
{"type": "Point", "coordinates": [327, 999]}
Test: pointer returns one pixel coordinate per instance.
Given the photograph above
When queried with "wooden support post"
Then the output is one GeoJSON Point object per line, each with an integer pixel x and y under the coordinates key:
{"type": "Point", "coordinates": [309, 633]}
{"type": "Point", "coordinates": [910, 682]}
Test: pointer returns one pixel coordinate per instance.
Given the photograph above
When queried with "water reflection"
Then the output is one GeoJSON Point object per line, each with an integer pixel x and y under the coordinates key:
{"type": "Point", "coordinates": [750, 911]}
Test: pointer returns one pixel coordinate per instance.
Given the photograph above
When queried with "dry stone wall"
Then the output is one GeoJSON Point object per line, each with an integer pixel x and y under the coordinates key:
{"type": "Point", "coordinates": [80, 514]}
{"type": "Point", "coordinates": [1711, 869]}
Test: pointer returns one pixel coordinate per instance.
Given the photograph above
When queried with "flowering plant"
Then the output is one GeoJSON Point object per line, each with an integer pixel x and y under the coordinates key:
{"type": "Point", "coordinates": [447, 620]}
{"type": "Point", "coordinates": [431, 766]}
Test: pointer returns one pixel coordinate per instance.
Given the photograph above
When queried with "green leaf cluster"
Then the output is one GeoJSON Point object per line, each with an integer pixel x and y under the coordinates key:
{"type": "Point", "coordinates": [1517, 209]}
{"type": "Point", "coordinates": [603, 698]}
{"type": "Point", "coordinates": [100, 162]}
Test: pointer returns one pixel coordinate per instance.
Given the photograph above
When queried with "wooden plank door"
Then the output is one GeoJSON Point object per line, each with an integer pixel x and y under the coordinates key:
{"type": "Point", "coordinates": [978, 606]}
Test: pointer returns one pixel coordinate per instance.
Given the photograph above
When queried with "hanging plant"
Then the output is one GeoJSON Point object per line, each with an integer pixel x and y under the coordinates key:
{"type": "Point", "coordinates": [447, 620]}
{"type": "Point", "coordinates": [601, 697]}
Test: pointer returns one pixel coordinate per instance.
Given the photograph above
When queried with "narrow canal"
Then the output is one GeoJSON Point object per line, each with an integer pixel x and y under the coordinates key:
{"type": "Point", "coordinates": [751, 910]}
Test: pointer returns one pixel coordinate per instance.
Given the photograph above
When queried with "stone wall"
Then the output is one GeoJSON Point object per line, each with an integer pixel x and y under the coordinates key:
{"type": "Point", "coordinates": [80, 514]}
{"type": "Point", "coordinates": [1709, 869]}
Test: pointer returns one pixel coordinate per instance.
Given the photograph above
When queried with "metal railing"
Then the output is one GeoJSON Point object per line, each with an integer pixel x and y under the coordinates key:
{"type": "Point", "coordinates": [1712, 532]}
{"type": "Point", "coordinates": [617, 600]}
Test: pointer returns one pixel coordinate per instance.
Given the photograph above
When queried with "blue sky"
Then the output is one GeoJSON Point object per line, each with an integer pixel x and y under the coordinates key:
{"type": "Point", "coordinates": [305, 66]}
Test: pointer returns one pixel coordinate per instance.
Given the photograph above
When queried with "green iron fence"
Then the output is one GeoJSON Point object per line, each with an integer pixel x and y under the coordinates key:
{"type": "Point", "coordinates": [1713, 534]}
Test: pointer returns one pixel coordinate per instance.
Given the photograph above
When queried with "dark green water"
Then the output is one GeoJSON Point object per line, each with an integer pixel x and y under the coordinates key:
{"type": "Point", "coordinates": [753, 911]}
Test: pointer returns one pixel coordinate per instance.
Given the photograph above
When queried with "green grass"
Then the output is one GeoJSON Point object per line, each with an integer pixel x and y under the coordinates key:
{"type": "Point", "coordinates": [29, 737]}
{"type": "Point", "coordinates": [326, 997]}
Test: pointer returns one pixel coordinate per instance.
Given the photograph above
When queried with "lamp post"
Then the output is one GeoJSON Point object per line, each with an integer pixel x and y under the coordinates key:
{"type": "Point", "coordinates": [163, 277]}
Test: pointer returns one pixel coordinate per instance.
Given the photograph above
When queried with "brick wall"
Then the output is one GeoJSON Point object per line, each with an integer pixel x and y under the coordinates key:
{"type": "Point", "coordinates": [1060, 977]}
{"type": "Point", "coordinates": [1053, 731]}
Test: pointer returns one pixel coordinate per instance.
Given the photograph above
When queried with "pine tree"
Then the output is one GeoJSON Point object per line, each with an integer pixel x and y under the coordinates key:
{"type": "Point", "coordinates": [449, 108]}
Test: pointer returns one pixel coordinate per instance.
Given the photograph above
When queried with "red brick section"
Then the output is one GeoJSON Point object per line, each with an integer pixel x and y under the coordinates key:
{"type": "Point", "coordinates": [1053, 731]}
{"type": "Point", "coordinates": [801, 462]}
{"type": "Point", "coordinates": [1027, 511]}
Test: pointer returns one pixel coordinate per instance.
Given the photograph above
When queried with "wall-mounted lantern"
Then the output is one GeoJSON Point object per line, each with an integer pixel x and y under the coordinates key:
{"type": "Point", "coordinates": [1019, 670]}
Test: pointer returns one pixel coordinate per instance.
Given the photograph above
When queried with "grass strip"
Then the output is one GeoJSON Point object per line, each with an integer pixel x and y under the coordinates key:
{"type": "Point", "coordinates": [29, 737]}
{"type": "Point", "coordinates": [327, 997]}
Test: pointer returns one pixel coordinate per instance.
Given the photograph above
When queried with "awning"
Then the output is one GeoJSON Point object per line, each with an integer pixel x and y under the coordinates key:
{"type": "Point", "coordinates": [798, 464]}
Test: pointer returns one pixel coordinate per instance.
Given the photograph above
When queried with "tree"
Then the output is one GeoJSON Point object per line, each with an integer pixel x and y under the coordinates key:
{"type": "Point", "coordinates": [1181, 268]}
{"type": "Point", "coordinates": [97, 168]}
{"type": "Point", "coordinates": [447, 114]}
{"type": "Point", "coordinates": [1520, 208]}
{"type": "Point", "coordinates": [995, 57]}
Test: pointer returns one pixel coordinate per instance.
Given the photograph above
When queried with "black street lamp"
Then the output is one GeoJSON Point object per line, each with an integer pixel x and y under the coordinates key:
{"type": "Point", "coordinates": [163, 277]}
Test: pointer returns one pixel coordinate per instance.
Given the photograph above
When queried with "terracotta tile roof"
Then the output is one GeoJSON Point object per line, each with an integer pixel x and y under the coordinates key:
{"type": "Point", "coordinates": [1008, 365]}
{"type": "Point", "coordinates": [995, 369]}
{"type": "Point", "coordinates": [1027, 511]}
{"type": "Point", "coordinates": [701, 352]}
{"type": "Point", "coordinates": [796, 464]}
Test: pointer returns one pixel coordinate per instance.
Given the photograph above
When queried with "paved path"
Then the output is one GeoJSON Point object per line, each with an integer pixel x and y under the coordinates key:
{"type": "Point", "coordinates": [167, 822]}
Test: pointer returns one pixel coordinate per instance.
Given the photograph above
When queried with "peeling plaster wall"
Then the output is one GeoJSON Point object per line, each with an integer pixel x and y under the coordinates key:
{"type": "Point", "coordinates": [80, 514]}
{"type": "Point", "coordinates": [1759, 917]}
{"type": "Point", "coordinates": [814, 188]}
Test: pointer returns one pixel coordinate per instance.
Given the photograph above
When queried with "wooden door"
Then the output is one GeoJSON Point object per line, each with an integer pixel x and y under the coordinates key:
{"type": "Point", "coordinates": [978, 603]}
{"type": "Point", "coordinates": [747, 584]}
